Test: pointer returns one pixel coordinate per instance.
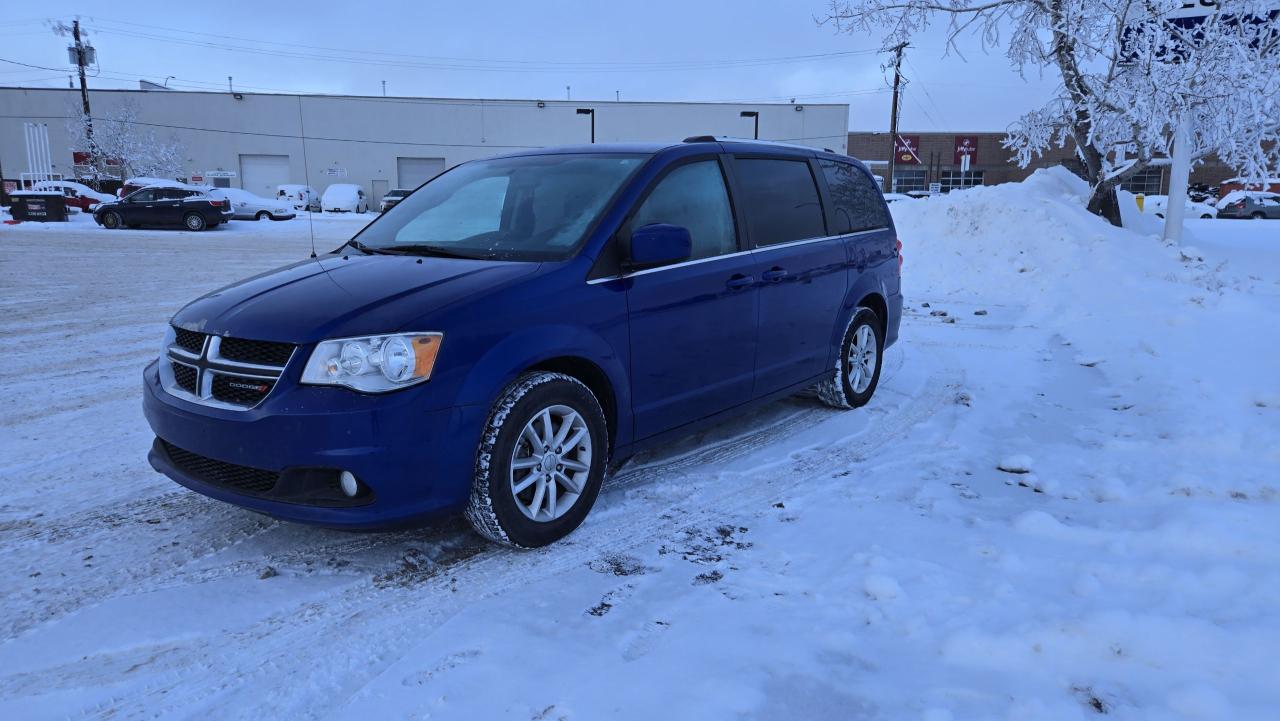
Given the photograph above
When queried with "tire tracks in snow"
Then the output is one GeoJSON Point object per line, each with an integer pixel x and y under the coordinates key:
{"type": "Point", "coordinates": [373, 621]}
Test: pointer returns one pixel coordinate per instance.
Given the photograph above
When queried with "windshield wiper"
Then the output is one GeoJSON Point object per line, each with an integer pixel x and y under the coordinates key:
{"type": "Point", "coordinates": [366, 249]}
{"type": "Point", "coordinates": [431, 250]}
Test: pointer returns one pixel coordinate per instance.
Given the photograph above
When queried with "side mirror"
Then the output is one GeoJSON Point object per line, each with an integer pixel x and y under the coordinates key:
{"type": "Point", "coordinates": [659, 244]}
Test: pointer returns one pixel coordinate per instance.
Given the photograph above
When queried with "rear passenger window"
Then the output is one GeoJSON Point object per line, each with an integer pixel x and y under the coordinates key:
{"type": "Point", "coordinates": [780, 199]}
{"type": "Point", "coordinates": [855, 201]}
{"type": "Point", "coordinates": [693, 196]}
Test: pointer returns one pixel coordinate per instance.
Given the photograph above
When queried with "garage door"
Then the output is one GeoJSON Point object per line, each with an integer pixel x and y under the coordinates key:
{"type": "Point", "coordinates": [260, 174]}
{"type": "Point", "coordinates": [412, 172]}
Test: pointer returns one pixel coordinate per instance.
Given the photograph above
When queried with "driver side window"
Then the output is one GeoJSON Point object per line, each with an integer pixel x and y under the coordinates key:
{"type": "Point", "coordinates": [144, 196]}
{"type": "Point", "coordinates": [693, 196]}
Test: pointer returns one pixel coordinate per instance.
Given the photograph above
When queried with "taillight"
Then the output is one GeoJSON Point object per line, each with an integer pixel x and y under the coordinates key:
{"type": "Point", "coordinates": [216, 203]}
{"type": "Point", "coordinates": [897, 243]}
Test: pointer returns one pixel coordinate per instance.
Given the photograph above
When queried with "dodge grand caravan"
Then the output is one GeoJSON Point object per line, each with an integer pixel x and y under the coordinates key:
{"type": "Point", "coordinates": [517, 326]}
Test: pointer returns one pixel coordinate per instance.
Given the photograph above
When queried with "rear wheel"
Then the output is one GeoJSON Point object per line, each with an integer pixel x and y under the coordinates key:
{"type": "Point", "coordinates": [540, 463]}
{"type": "Point", "coordinates": [264, 215]}
{"type": "Point", "coordinates": [111, 220]}
{"type": "Point", "coordinates": [857, 373]}
{"type": "Point", "coordinates": [194, 221]}
{"type": "Point", "coordinates": [1258, 215]}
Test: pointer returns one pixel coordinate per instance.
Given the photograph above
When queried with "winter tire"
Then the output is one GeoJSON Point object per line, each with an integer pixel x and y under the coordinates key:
{"type": "Point", "coordinates": [857, 371]}
{"type": "Point", "coordinates": [1258, 215]}
{"type": "Point", "coordinates": [111, 220]}
{"type": "Point", "coordinates": [264, 215]}
{"type": "Point", "coordinates": [194, 221]}
{"type": "Point", "coordinates": [541, 461]}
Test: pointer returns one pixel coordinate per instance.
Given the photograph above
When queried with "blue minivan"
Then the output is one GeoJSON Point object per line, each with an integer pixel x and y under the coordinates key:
{"type": "Point", "coordinates": [518, 326]}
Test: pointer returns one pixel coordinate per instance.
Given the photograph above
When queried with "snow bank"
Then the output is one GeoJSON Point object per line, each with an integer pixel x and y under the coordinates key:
{"type": "Point", "coordinates": [1168, 332]}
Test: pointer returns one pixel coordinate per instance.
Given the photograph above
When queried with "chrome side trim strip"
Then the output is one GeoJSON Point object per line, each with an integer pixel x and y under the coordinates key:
{"type": "Point", "coordinates": [762, 249]}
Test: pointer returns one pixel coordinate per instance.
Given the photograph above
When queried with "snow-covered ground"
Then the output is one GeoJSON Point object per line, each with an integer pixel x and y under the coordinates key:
{"type": "Point", "coordinates": [796, 563]}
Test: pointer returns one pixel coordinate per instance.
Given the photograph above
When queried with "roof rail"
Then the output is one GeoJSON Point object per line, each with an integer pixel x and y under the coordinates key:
{"type": "Point", "coordinates": [700, 139]}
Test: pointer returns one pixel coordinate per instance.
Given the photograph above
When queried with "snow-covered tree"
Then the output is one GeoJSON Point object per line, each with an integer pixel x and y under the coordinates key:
{"type": "Point", "coordinates": [1130, 73]}
{"type": "Point", "coordinates": [120, 138]}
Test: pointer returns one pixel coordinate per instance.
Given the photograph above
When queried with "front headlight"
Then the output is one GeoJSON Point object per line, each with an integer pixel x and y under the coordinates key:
{"type": "Point", "coordinates": [374, 364]}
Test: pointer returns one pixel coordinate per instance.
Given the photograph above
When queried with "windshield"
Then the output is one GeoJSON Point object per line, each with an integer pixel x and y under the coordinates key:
{"type": "Point", "coordinates": [536, 207]}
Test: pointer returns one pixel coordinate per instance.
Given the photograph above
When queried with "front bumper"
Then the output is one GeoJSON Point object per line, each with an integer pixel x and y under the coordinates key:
{"type": "Point", "coordinates": [416, 463]}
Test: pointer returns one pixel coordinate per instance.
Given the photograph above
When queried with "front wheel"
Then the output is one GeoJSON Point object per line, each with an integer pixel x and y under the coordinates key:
{"type": "Point", "coordinates": [194, 221]}
{"type": "Point", "coordinates": [857, 371]}
{"type": "Point", "coordinates": [1258, 215]}
{"type": "Point", "coordinates": [540, 463]}
{"type": "Point", "coordinates": [264, 215]}
{"type": "Point", "coordinates": [111, 220]}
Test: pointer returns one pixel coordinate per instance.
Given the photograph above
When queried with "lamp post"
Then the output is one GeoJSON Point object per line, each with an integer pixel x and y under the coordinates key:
{"type": "Point", "coordinates": [752, 114]}
{"type": "Point", "coordinates": [592, 113]}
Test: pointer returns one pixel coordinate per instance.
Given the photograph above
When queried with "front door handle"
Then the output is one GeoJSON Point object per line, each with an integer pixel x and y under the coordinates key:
{"type": "Point", "coordinates": [774, 274]}
{"type": "Point", "coordinates": [739, 281]}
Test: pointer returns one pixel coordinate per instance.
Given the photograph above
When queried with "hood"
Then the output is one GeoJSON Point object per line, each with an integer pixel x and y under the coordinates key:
{"type": "Point", "coordinates": [330, 297]}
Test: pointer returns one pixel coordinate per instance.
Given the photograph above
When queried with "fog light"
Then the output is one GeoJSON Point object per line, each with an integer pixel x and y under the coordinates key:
{"type": "Point", "coordinates": [350, 486]}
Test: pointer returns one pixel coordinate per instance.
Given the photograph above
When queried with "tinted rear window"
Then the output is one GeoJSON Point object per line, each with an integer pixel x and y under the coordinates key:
{"type": "Point", "coordinates": [855, 200]}
{"type": "Point", "coordinates": [780, 199]}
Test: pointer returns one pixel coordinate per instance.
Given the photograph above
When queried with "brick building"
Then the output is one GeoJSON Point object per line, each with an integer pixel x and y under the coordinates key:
{"type": "Point", "coordinates": [925, 158]}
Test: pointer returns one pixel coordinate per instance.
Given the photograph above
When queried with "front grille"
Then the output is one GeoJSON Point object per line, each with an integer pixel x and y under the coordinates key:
{"type": "Point", "coordinates": [240, 390]}
{"type": "Point", "coordinates": [185, 377]}
{"type": "Point", "coordinates": [189, 340]}
{"type": "Point", "coordinates": [241, 478]}
{"type": "Point", "coordinates": [258, 352]}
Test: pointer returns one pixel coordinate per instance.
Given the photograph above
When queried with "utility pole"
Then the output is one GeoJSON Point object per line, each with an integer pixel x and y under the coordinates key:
{"type": "Point", "coordinates": [893, 113]}
{"type": "Point", "coordinates": [81, 61]}
{"type": "Point", "coordinates": [384, 88]}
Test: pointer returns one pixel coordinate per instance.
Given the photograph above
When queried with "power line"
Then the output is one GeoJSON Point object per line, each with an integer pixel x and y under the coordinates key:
{"type": "Point", "coordinates": [459, 62]}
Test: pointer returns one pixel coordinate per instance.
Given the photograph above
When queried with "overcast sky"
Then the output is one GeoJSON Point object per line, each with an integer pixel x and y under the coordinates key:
{"type": "Point", "coordinates": [651, 50]}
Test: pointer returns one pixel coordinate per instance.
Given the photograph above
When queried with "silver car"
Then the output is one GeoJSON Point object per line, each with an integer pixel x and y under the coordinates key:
{"type": "Point", "coordinates": [1250, 204]}
{"type": "Point", "coordinates": [247, 206]}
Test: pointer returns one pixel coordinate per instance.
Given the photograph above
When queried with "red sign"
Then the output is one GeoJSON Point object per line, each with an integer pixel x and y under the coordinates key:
{"type": "Point", "coordinates": [966, 145]}
{"type": "Point", "coordinates": [906, 149]}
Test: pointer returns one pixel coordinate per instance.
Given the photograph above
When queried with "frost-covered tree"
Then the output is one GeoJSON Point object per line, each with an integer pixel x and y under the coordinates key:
{"type": "Point", "coordinates": [120, 138]}
{"type": "Point", "coordinates": [1130, 72]}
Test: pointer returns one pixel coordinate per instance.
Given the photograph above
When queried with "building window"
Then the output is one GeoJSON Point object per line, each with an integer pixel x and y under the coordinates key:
{"type": "Point", "coordinates": [954, 179]}
{"type": "Point", "coordinates": [1147, 182]}
{"type": "Point", "coordinates": [908, 180]}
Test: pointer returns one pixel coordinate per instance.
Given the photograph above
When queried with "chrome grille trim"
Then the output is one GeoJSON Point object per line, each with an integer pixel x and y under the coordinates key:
{"type": "Point", "coordinates": [210, 363]}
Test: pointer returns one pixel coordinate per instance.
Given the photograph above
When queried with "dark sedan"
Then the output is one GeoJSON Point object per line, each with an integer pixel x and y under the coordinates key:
{"type": "Point", "coordinates": [157, 206]}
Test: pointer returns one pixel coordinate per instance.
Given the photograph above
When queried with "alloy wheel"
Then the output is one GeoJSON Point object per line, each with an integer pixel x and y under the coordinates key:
{"type": "Point", "coordinates": [862, 359]}
{"type": "Point", "coordinates": [551, 463]}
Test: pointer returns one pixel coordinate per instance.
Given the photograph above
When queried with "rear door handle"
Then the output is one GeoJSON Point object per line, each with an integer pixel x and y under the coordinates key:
{"type": "Point", "coordinates": [774, 274]}
{"type": "Point", "coordinates": [739, 281]}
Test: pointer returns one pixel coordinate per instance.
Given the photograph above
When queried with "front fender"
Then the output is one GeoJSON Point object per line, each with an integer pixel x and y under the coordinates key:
{"type": "Point", "coordinates": [531, 346]}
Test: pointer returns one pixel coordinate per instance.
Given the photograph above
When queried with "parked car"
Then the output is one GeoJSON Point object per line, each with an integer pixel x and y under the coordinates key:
{"type": "Point", "coordinates": [302, 197]}
{"type": "Point", "coordinates": [518, 324]}
{"type": "Point", "coordinates": [344, 198]}
{"type": "Point", "coordinates": [164, 205]}
{"type": "Point", "coordinates": [133, 185]}
{"type": "Point", "coordinates": [247, 206]}
{"type": "Point", "coordinates": [1254, 204]}
{"type": "Point", "coordinates": [78, 195]}
{"type": "Point", "coordinates": [392, 197]}
{"type": "Point", "coordinates": [1157, 204]}
{"type": "Point", "coordinates": [896, 197]}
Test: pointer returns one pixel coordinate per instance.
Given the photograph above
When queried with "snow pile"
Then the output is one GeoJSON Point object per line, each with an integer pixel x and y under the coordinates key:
{"type": "Point", "coordinates": [1171, 334]}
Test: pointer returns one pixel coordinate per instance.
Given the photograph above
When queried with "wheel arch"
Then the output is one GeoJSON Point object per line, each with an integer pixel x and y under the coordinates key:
{"type": "Point", "coordinates": [563, 349]}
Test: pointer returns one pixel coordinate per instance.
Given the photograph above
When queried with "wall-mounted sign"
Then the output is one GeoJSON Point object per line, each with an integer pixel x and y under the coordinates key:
{"type": "Point", "coordinates": [197, 178]}
{"type": "Point", "coordinates": [219, 173]}
{"type": "Point", "coordinates": [336, 172]}
{"type": "Point", "coordinates": [906, 149]}
{"type": "Point", "coordinates": [935, 187]}
{"type": "Point", "coordinates": [966, 145]}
